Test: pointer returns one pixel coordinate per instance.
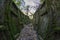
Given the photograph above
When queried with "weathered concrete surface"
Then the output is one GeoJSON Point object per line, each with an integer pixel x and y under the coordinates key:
{"type": "Point", "coordinates": [28, 33]}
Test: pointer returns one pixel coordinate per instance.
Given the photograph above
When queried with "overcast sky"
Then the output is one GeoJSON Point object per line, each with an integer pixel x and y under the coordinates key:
{"type": "Point", "coordinates": [33, 5]}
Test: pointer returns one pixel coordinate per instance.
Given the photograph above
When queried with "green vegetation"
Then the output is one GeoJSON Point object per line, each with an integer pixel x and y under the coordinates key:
{"type": "Point", "coordinates": [14, 21]}
{"type": "Point", "coordinates": [46, 19]}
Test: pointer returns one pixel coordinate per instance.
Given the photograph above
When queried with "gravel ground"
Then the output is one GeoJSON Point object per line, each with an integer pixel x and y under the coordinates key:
{"type": "Point", "coordinates": [28, 33]}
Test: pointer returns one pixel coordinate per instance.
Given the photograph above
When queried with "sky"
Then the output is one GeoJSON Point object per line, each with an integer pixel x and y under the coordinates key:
{"type": "Point", "coordinates": [33, 5]}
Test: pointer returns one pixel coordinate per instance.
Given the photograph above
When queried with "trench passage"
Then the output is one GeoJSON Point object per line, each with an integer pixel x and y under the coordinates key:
{"type": "Point", "coordinates": [28, 33]}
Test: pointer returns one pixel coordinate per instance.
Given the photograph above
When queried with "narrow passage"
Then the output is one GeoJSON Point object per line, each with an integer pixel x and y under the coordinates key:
{"type": "Point", "coordinates": [28, 33]}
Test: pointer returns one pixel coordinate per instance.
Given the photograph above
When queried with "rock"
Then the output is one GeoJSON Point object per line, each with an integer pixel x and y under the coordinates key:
{"type": "Point", "coordinates": [28, 33]}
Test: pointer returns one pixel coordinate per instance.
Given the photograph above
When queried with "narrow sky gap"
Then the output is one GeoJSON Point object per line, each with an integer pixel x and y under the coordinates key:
{"type": "Point", "coordinates": [33, 5]}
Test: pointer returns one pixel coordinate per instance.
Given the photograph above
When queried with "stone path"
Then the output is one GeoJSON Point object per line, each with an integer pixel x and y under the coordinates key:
{"type": "Point", "coordinates": [28, 33]}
